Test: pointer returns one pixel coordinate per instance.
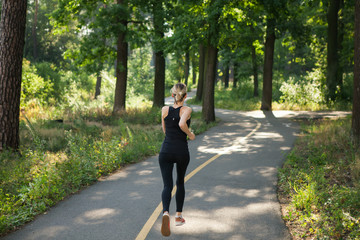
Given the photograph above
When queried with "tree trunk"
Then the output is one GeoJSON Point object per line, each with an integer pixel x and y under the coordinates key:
{"type": "Point", "coordinates": [255, 71]}
{"type": "Point", "coordinates": [121, 69]}
{"type": "Point", "coordinates": [226, 76]}
{"type": "Point", "coordinates": [187, 67]}
{"type": "Point", "coordinates": [98, 86]}
{"type": "Point", "coordinates": [200, 85]}
{"type": "Point", "coordinates": [208, 106]}
{"type": "Point", "coordinates": [34, 30]}
{"type": "Point", "coordinates": [268, 65]}
{"type": "Point", "coordinates": [332, 48]}
{"type": "Point", "coordinates": [356, 97]}
{"type": "Point", "coordinates": [341, 33]}
{"type": "Point", "coordinates": [159, 85]}
{"type": "Point", "coordinates": [236, 69]}
{"type": "Point", "coordinates": [12, 40]}
{"type": "Point", "coordinates": [193, 68]}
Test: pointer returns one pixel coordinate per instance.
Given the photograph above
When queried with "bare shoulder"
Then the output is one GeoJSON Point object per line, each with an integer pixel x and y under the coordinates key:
{"type": "Point", "coordinates": [165, 111]}
{"type": "Point", "coordinates": [185, 110]}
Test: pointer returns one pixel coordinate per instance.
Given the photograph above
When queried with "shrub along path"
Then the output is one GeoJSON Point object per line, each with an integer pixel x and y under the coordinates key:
{"type": "Point", "coordinates": [232, 196]}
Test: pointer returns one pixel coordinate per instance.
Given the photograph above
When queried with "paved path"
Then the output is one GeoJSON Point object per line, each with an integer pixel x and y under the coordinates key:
{"type": "Point", "coordinates": [232, 197]}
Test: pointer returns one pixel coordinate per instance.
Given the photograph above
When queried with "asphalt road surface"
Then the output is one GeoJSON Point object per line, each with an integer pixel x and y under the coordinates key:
{"type": "Point", "coordinates": [230, 190]}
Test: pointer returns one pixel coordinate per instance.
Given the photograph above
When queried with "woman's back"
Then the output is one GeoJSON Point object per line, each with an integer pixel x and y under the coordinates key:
{"type": "Point", "coordinates": [175, 139]}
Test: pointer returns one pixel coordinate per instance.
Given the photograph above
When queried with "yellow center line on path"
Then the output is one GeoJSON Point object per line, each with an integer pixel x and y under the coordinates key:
{"type": "Point", "coordinates": [151, 221]}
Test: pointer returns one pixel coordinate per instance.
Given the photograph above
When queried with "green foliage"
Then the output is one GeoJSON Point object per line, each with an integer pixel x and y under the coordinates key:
{"type": "Point", "coordinates": [306, 91]}
{"type": "Point", "coordinates": [320, 180]}
{"type": "Point", "coordinates": [141, 73]}
{"type": "Point", "coordinates": [49, 72]}
{"type": "Point", "coordinates": [33, 86]}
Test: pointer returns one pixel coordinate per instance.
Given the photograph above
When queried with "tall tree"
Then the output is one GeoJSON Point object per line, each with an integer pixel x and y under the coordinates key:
{"type": "Point", "coordinates": [214, 12]}
{"type": "Point", "coordinates": [159, 21]}
{"type": "Point", "coordinates": [208, 105]}
{"type": "Point", "coordinates": [226, 76]}
{"type": "Point", "coordinates": [236, 69]}
{"type": "Point", "coordinates": [194, 66]}
{"type": "Point", "coordinates": [122, 59]}
{"type": "Point", "coordinates": [200, 85]}
{"type": "Point", "coordinates": [12, 35]}
{"type": "Point", "coordinates": [34, 30]}
{"type": "Point", "coordinates": [255, 70]}
{"type": "Point", "coordinates": [277, 12]}
{"type": "Point", "coordinates": [356, 97]}
{"type": "Point", "coordinates": [268, 65]}
{"type": "Point", "coordinates": [332, 49]}
{"type": "Point", "coordinates": [101, 21]}
{"type": "Point", "coordinates": [187, 66]}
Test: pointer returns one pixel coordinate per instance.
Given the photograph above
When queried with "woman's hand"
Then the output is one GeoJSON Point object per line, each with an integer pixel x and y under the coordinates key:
{"type": "Point", "coordinates": [191, 136]}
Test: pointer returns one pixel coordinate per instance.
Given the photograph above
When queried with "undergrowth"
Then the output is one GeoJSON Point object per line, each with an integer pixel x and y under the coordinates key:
{"type": "Point", "coordinates": [319, 184]}
{"type": "Point", "coordinates": [62, 156]}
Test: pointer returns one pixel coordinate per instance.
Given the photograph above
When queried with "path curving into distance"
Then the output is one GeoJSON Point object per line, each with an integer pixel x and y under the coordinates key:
{"type": "Point", "coordinates": [230, 189]}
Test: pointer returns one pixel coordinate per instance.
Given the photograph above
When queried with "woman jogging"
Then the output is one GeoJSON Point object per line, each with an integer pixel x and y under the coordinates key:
{"type": "Point", "coordinates": [175, 124]}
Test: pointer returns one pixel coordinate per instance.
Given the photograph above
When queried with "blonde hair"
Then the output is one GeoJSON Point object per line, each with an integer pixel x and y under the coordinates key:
{"type": "Point", "coordinates": [179, 91]}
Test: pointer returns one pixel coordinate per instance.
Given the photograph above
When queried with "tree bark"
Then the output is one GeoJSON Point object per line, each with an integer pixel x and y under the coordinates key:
{"type": "Point", "coordinates": [187, 67]}
{"type": "Point", "coordinates": [159, 86]}
{"type": "Point", "coordinates": [200, 85]}
{"type": "Point", "coordinates": [226, 76]}
{"type": "Point", "coordinates": [255, 71]}
{"type": "Point", "coordinates": [193, 68]}
{"type": "Point", "coordinates": [121, 69]}
{"type": "Point", "coordinates": [341, 34]}
{"type": "Point", "coordinates": [268, 65]}
{"type": "Point", "coordinates": [356, 96]}
{"type": "Point", "coordinates": [208, 106]}
{"type": "Point", "coordinates": [34, 30]}
{"type": "Point", "coordinates": [332, 48]}
{"type": "Point", "coordinates": [12, 40]}
{"type": "Point", "coordinates": [236, 69]}
{"type": "Point", "coordinates": [98, 85]}
{"type": "Point", "coordinates": [159, 82]}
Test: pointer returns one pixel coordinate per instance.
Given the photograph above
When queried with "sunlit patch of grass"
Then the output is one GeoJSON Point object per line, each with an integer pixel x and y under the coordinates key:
{"type": "Point", "coordinates": [319, 183]}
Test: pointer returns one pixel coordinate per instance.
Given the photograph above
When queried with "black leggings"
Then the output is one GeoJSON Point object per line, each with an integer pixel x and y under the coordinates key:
{"type": "Point", "coordinates": [166, 161]}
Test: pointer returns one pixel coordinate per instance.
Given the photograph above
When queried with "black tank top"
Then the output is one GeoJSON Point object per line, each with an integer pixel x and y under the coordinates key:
{"type": "Point", "coordinates": [175, 139]}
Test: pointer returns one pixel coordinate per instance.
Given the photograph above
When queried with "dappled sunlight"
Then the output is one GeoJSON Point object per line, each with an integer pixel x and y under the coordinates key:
{"type": "Point", "coordinates": [98, 196]}
{"type": "Point", "coordinates": [135, 196]}
{"type": "Point", "coordinates": [144, 172]}
{"type": "Point", "coordinates": [119, 175]}
{"type": "Point", "coordinates": [146, 181]}
{"type": "Point", "coordinates": [224, 191]}
{"type": "Point", "coordinates": [285, 148]}
{"type": "Point", "coordinates": [236, 172]}
{"type": "Point", "coordinates": [267, 135]}
{"type": "Point", "coordinates": [225, 222]}
{"type": "Point", "coordinates": [266, 172]}
{"type": "Point", "coordinates": [97, 216]}
{"type": "Point", "coordinates": [51, 232]}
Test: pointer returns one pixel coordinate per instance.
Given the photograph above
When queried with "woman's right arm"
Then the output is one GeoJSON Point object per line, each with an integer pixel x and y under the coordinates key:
{"type": "Point", "coordinates": [164, 113]}
{"type": "Point", "coordinates": [183, 125]}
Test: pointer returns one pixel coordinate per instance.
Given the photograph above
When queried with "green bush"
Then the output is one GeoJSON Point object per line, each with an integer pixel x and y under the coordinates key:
{"type": "Point", "coordinates": [304, 91]}
{"type": "Point", "coordinates": [34, 87]}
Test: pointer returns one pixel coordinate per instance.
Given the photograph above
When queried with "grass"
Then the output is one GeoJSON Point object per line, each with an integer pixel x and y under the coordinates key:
{"type": "Point", "coordinates": [319, 184]}
{"type": "Point", "coordinates": [59, 158]}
